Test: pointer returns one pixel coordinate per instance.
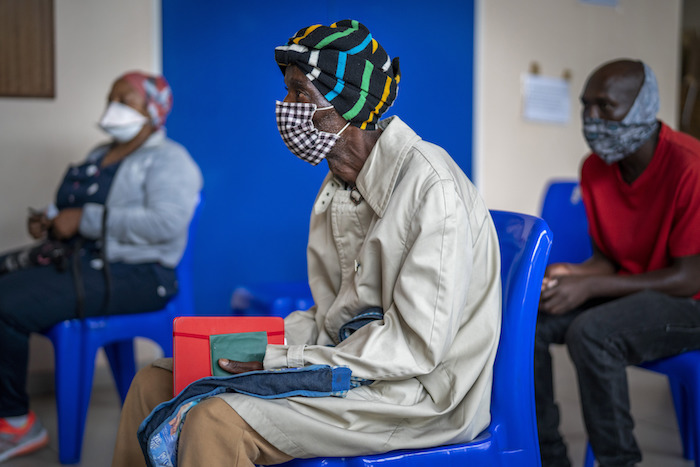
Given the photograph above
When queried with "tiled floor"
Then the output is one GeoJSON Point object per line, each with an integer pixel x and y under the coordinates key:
{"type": "Point", "coordinates": [656, 432]}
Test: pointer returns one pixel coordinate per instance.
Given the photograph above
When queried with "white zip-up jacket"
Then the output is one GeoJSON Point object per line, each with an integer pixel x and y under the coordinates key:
{"type": "Point", "coordinates": [150, 203]}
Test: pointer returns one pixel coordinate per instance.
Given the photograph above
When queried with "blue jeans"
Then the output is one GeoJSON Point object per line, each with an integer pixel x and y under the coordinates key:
{"type": "Point", "coordinates": [159, 433]}
{"type": "Point", "coordinates": [603, 338]}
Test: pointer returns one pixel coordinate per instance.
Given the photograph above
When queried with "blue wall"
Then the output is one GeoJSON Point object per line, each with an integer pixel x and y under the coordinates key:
{"type": "Point", "coordinates": [218, 57]}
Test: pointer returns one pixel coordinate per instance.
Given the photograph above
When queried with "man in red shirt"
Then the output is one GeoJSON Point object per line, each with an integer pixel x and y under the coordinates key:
{"type": "Point", "coordinates": [636, 298]}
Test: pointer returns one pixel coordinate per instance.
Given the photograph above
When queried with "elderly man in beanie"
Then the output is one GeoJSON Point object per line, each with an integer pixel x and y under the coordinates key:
{"type": "Point", "coordinates": [636, 298]}
{"type": "Point", "coordinates": [400, 240]}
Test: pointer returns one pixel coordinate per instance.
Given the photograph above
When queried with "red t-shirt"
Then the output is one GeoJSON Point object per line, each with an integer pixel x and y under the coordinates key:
{"type": "Point", "coordinates": [643, 225]}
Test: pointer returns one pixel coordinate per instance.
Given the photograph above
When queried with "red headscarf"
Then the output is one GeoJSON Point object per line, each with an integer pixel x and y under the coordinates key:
{"type": "Point", "coordinates": [156, 90]}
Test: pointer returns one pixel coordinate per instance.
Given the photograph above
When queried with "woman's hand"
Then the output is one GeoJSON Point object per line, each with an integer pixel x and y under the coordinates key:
{"type": "Point", "coordinates": [38, 224]}
{"type": "Point", "coordinates": [236, 368]}
{"type": "Point", "coordinates": [66, 223]}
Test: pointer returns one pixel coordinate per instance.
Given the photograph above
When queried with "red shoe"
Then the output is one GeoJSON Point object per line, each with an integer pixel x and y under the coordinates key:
{"type": "Point", "coordinates": [15, 441]}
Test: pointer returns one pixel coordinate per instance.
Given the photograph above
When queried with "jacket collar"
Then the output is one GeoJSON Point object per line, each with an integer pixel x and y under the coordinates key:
{"type": "Point", "coordinates": [377, 178]}
{"type": "Point", "coordinates": [155, 139]}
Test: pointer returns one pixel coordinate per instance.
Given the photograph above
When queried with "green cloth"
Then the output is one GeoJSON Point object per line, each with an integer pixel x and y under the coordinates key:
{"type": "Point", "coordinates": [240, 347]}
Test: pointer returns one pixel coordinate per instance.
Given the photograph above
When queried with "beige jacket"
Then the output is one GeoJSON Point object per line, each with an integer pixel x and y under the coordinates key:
{"type": "Point", "coordinates": [421, 245]}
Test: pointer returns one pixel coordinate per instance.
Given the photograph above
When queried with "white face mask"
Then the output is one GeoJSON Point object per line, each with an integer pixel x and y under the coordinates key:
{"type": "Point", "coordinates": [122, 122]}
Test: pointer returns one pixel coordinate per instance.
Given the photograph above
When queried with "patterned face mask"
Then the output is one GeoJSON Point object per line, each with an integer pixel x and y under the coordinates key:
{"type": "Point", "coordinates": [299, 133]}
{"type": "Point", "coordinates": [613, 141]}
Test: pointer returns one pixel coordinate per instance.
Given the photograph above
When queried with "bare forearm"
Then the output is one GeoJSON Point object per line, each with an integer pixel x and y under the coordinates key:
{"type": "Point", "coordinates": [564, 292]}
{"type": "Point", "coordinates": [671, 281]}
{"type": "Point", "coordinates": [597, 265]}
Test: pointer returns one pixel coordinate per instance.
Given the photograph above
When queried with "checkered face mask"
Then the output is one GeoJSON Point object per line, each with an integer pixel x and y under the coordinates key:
{"type": "Point", "coordinates": [299, 133]}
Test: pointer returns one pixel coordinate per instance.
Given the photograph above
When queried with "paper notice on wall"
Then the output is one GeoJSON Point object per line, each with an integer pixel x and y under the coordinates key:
{"type": "Point", "coordinates": [546, 99]}
{"type": "Point", "coordinates": [612, 3]}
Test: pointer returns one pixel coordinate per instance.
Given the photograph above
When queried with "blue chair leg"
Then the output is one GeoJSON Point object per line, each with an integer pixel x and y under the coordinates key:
{"type": "Point", "coordinates": [88, 363]}
{"type": "Point", "coordinates": [685, 418]}
{"type": "Point", "coordinates": [67, 343]}
{"type": "Point", "coordinates": [590, 457]}
{"type": "Point", "coordinates": [123, 364]}
{"type": "Point", "coordinates": [691, 434]}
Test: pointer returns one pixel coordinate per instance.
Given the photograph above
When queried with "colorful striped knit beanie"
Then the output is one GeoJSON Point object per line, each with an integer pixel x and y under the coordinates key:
{"type": "Point", "coordinates": [156, 90]}
{"type": "Point", "coordinates": [352, 71]}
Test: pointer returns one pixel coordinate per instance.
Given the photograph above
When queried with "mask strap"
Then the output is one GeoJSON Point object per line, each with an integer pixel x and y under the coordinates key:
{"type": "Point", "coordinates": [341, 131]}
{"type": "Point", "coordinates": [329, 108]}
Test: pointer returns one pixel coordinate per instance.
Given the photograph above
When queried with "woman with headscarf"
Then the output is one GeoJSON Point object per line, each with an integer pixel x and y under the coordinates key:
{"type": "Point", "coordinates": [108, 245]}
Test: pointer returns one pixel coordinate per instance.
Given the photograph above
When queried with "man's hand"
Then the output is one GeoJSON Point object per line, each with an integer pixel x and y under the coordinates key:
{"type": "Point", "coordinates": [561, 294]}
{"type": "Point", "coordinates": [38, 224]}
{"type": "Point", "coordinates": [552, 272]}
{"type": "Point", "coordinates": [559, 269]}
{"type": "Point", "coordinates": [235, 367]}
{"type": "Point", "coordinates": [67, 222]}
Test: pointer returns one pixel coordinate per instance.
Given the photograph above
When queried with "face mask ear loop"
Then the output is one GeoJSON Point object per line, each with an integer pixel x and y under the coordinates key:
{"type": "Point", "coordinates": [341, 131]}
{"type": "Point", "coordinates": [329, 108]}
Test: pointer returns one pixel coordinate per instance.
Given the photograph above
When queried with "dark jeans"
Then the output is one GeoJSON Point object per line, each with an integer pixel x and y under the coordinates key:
{"type": "Point", "coordinates": [33, 300]}
{"type": "Point", "coordinates": [603, 338]}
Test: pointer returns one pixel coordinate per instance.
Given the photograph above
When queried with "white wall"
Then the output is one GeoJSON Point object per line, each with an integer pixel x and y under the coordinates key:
{"type": "Point", "coordinates": [516, 158]}
{"type": "Point", "coordinates": [95, 41]}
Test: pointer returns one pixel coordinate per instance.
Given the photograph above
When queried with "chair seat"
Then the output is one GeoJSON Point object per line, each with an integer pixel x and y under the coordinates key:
{"type": "Point", "coordinates": [103, 330]}
{"type": "Point", "coordinates": [477, 452]}
{"type": "Point", "coordinates": [687, 363]}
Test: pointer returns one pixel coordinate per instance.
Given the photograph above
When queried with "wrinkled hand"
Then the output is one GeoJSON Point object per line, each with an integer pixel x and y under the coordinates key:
{"type": "Point", "coordinates": [561, 294]}
{"type": "Point", "coordinates": [236, 368]}
{"type": "Point", "coordinates": [67, 222]}
{"type": "Point", "coordinates": [38, 224]}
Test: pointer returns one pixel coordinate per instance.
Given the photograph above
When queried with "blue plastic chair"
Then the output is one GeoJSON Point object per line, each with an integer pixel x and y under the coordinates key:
{"type": "Point", "coordinates": [271, 298]}
{"type": "Point", "coordinates": [511, 437]}
{"type": "Point", "coordinates": [564, 212]}
{"type": "Point", "coordinates": [76, 343]}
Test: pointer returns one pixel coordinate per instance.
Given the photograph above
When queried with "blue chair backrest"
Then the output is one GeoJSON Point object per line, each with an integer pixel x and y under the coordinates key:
{"type": "Point", "coordinates": [525, 243]}
{"type": "Point", "coordinates": [184, 300]}
{"type": "Point", "coordinates": [565, 213]}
